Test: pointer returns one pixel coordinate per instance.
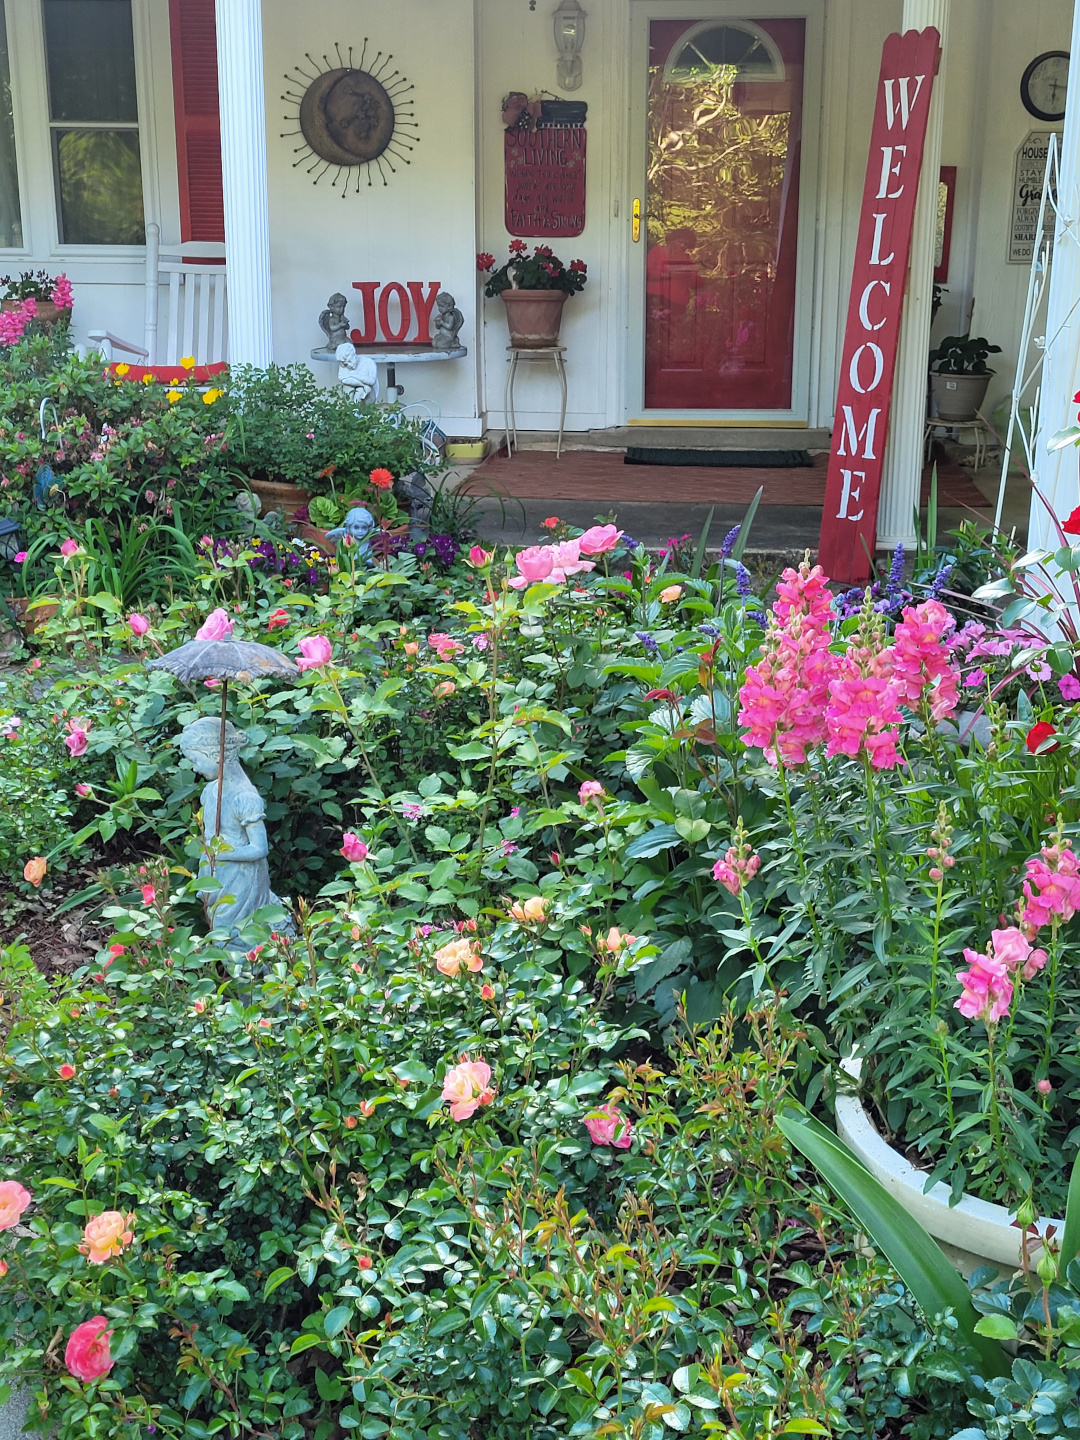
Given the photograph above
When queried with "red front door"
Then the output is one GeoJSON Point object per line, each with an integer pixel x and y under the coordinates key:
{"type": "Point", "coordinates": [722, 210]}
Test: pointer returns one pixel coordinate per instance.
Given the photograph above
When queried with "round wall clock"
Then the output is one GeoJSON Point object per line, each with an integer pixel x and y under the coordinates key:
{"type": "Point", "coordinates": [1044, 83]}
{"type": "Point", "coordinates": [351, 117]}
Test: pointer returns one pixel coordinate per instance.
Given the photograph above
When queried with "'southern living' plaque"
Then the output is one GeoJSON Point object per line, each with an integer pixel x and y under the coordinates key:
{"type": "Point", "coordinates": [545, 180]}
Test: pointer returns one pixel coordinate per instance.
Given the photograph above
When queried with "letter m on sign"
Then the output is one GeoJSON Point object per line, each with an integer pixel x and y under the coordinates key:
{"type": "Point", "coordinates": [849, 521]}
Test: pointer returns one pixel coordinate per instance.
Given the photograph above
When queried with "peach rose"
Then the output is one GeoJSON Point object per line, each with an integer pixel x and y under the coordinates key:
{"type": "Point", "coordinates": [34, 870]}
{"type": "Point", "coordinates": [532, 912]}
{"type": "Point", "coordinates": [458, 955]}
{"type": "Point", "coordinates": [467, 1086]}
{"type": "Point", "coordinates": [106, 1235]}
{"type": "Point", "coordinates": [14, 1198]}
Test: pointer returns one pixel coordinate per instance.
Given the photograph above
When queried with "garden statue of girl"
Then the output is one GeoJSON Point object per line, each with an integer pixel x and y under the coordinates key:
{"type": "Point", "coordinates": [238, 859]}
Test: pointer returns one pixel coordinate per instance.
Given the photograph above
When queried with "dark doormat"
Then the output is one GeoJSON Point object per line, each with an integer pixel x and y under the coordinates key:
{"type": "Point", "coordinates": [743, 459]}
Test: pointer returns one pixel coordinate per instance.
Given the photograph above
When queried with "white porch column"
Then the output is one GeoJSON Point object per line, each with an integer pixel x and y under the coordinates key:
{"type": "Point", "coordinates": [243, 174]}
{"type": "Point", "coordinates": [1056, 470]}
{"type": "Point", "coordinates": [904, 452]}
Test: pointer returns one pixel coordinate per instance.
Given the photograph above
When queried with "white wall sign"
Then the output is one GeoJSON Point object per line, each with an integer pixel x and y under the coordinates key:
{"type": "Point", "coordinates": [1028, 173]}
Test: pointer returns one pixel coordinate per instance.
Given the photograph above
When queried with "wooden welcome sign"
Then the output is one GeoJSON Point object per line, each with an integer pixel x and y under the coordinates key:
{"type": "Point", "coordinates": [545, 180]}
{"type": "Point", "coordinates": [909, 63]}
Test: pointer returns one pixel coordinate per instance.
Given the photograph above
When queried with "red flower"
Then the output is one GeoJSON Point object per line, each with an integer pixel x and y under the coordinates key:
{"type": "Point", "coordinates": [579, 266]}
{"type": "Point", "coordinates": [518, 247]}
{"type": "Point", "coordinates": [659, 695]}
{"type": "Point", "coordinates": [484, 261]}
{"type": "Point", "coordinates": [544, 250]}
{"type": "Point", "coordinates": [381, 479]}
{"type": "Point", "coordinates": [1037, 735]}
{"type": "Point", "coordinates": [551, 522]}
{"type": "Point", "coordinates": [1071, 526]}
{"type": "Point", "coordinates": [277, 620]}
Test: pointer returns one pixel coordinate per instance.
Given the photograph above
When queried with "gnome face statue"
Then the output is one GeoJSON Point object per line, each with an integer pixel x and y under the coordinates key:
{"type": "Point", "coordinates": [236, 858]}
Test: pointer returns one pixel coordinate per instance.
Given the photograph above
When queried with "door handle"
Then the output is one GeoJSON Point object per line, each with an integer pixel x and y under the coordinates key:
{"type": "Point", "coordinates": [635, 225]}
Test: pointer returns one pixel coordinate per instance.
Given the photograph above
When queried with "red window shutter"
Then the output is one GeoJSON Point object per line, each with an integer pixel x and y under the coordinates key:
{"type": "Point", "coordinates": [198, 131]}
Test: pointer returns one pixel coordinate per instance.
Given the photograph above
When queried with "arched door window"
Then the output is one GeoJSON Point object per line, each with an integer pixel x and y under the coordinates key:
{"type": "Point", "coordinates": [706, 50]}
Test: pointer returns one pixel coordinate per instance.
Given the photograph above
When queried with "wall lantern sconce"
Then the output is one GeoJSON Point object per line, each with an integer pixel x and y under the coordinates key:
{"type": "Point", "coordinates": [569, 40]}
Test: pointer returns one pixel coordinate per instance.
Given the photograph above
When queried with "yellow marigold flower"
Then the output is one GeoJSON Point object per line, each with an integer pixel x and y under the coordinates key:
{"type": "Point", "coordinates": [188, 362]}
{"type": "Point", "coordinates": [173, 395]}
{"type": "Point", "coordinates": [122, 369]}
{"type": "Point", "coordinates": [210, 396]}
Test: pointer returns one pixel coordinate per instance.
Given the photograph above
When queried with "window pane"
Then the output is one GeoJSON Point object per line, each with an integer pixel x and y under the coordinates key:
{"type": "Point", "coordinates": [90, 56]}
{"type": "Point", "coordinates": [10, 214]}
{"type": "Point", "coordinates": [100, 184]}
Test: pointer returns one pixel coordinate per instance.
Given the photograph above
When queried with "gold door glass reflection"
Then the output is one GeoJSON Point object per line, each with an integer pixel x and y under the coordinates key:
{"type": "Point", "coordinates": [725, 124]}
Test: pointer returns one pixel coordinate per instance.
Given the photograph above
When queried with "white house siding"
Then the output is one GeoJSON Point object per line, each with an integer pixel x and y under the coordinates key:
{"type": "Point", "coordinates": [432, 218]}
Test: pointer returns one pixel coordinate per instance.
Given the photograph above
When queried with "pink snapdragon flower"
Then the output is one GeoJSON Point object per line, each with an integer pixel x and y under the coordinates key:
{"type": "Point", "coordinates": [862, 714]}
{"type": "Point", "coordinates": [1013, 949]}
{"type": "Point", "coordinates": [468, 1086]}
{"type": "Point", "coordinates": [216, 626]}
{"type": "Point", "coordinates": [535, 563]}
{"type": "Point", "coordinates": [1052, 886]}
{"type": "Point", "coordinates": [740, 864]}
{"type": "Point", "coordinates": [599, 539]}
{"type": "Point", "coordinates": [921, 667]}
{"type": "Point", "coordinates": [607, 1125]}
{"type": "Point", "coordinates": [62, 294]}
{"type": "Point", "coordinates": [315, 652]}
{"type": "Point", "coordinates": [445, 646]}
{"type": "Point", "coordinates": [986, 988]}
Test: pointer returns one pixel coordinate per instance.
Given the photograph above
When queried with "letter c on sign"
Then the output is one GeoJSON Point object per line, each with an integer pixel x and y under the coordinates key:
{"type": "Point", "coordinates": [864, 316]}
{"type": "Point", "coordinates": [879, 368]}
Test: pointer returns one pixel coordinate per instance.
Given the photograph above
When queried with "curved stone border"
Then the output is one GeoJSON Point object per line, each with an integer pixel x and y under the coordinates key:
{"type": "Point", "coordinates": [977, 1226]}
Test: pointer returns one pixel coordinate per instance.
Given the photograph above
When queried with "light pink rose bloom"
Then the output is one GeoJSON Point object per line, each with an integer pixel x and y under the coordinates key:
{"type": "Point", "coordinates": [608, 1126]}
{"type": "Point", "coordinates": [567, 562]}
{"type": "Point", "coordinates": [468, 1086]}
{"type": "Point", "coordinates": [69, 548]}
{"type": "Point", "coordinates": [598, 539]}
{"type": "Point", "coordinates": [83, 791]}
{"type": "Point", "coordinates": [14, 1198]}
{"type": "Point", "coordinates": [589, 790]}
{"type": "Point", "coordinates": [316, 651]}
{"type": "Point", "coordinates": [87, 1355]}
{"type": "Point", "coordinates": [535, 563]}
{"type": "Point", "coordinates": [138, 624]}
{"type": "Point", "coordinates": [445, 646]}
{"type": "Point", "coordinates": [76, 740]}
{"type": "Point", "coordinates": [353, 848]}
{"type": "Point", "coordinates": [216, 626]}
{"type": "Point", "coordinates": [106, 1235]}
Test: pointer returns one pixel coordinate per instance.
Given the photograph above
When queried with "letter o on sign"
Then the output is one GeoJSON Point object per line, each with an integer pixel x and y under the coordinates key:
{"type": "Point", "coordinates": [856, 367]}
{"type": "Point", "coordinates": [392, 335]}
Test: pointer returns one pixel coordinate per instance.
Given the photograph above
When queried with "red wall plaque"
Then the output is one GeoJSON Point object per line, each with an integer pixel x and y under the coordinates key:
{"type": "Point", "coordinates": [545, 180]}
{"type": "Point", "coordinates": [909, 63]}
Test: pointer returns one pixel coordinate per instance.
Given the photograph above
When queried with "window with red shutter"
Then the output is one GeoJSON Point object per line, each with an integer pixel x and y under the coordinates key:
{"type": "Point", "coordinates": [198, 132]}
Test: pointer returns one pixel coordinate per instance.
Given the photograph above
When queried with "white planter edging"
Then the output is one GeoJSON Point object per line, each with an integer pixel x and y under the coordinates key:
{"type": "Point", "coordinates": [983, 1229]}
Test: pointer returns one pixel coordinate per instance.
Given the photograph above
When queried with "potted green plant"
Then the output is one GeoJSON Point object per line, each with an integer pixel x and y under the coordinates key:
{"type": "Point", "coordinates": [51, 296]}
{"type": "Point", "coordinates": [534, 290]}
{"type": "Point", "coordinates": [959, 376]}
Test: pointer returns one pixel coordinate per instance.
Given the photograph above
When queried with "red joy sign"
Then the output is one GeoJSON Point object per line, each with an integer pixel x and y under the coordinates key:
{"type": "Point", "coordinates": [389, 311]}
{"type": "Point", "coordinates": [909, 63]}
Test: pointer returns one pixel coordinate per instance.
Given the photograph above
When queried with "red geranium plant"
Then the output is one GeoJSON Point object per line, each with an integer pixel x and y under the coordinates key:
{"type": "Point", "coordinates": [541, 270]}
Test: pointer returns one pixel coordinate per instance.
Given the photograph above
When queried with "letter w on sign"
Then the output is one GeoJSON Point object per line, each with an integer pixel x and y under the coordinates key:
{"type": "Point", "coordinates": [909, 63]}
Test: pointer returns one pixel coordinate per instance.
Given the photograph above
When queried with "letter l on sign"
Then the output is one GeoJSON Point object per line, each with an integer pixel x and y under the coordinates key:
{"type": "Point", "coordinates": [909, 63]}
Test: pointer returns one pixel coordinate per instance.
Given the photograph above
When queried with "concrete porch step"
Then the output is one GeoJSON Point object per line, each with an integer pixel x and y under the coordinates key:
{"type": "Point", "coordinates": [672, 437]}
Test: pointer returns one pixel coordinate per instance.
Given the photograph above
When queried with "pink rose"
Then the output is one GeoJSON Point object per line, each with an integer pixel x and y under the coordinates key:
{"type": "Point", "coordinates": [149, 894]}
{"type": "Point", "coordinates": [69, 548]}
{"type": "Point", "coordinates": [479, 557]}
{"type": "Point", "coordinates": [316, 651]}
{"type": "Point", "coordinates": [534, 564]}
{"type": "Point", "coordinates": [87, 1355]}
{"type": "Point", "coordinates": [445, 646]}
{"type": "Point", "coordinates": [352, 847]}
{"type": "Point", "coordinates": [467, 1086]}
{"type": "Point", "coordinates": [608, 1126]}
{"type": "Point", "coordinates": [138, 624]}
{"type": "Point", "coordinates": [82, 791]}
{"type": "Point", "coordinates": [567, 561]}
{"type": "Point", "coordinates": [14, 1198]}
{"type": "Point", "coordinates": [216, 626]}
{"type": "Point", "coordinates": [591, 789]}
{"type": "Point", "coordinates": [599, 539]}
{"type": "Point", "coordinates": [76, 739]}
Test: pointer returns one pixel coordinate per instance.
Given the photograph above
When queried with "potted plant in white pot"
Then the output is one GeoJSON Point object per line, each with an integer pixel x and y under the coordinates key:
{"type": "Point", "coordinates": [959, 376]}
{"type": "Point", "coordinates": [534, 290]}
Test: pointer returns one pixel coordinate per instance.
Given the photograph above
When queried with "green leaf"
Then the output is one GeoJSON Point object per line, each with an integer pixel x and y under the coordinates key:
{"type": "Point", "coordinates": [915, 1256]}
{"type": "Point", "coordinates": [276, 1278]}
{"type": "Point", "coordinates": [803, 1427]}
{"type": "Point", "coordinates": [1070, 1238]}
{"type": "Point", "coordinates": [660, 837]}
{"type": "Point", "coordinates": [335, 1320]}
{"type": "Point", "coordinates": [997, 1327]}
{"type": "Point", "coordinates": [304, 1342]}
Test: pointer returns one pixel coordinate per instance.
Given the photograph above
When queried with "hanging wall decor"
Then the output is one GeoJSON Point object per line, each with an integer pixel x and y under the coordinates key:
{"type": "Point", "coordinates": [545, 167]}
{"type": "Point", "coordinates": [352, 117]}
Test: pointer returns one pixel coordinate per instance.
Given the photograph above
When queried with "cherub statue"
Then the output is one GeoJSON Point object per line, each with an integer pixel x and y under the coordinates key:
{"type": "Point", "coordinates": [358, 373]}
{"type": "Point", "coordinates": [238, 858]}
{"type": "Point", "coordinates": [333, 323]}
{"type": "Point", "coordinates": [448, 322]}
{"type": "Point", "coordinates": [357, 526]}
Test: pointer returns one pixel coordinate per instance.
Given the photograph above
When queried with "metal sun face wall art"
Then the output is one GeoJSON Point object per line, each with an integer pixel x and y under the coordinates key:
{"type": "Point", "coordinates": [351, 117]}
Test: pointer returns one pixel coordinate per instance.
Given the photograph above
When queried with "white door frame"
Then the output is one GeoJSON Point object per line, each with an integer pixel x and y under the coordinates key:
{"type": "Point", "coordinates": [642, 12]}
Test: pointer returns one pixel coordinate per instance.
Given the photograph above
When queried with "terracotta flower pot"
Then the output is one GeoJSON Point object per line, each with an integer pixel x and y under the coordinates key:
{"type": "Point", "coordinates": [533, 317]}
{"type": "Point", "coordinates": [280, 495]}
{"type": "Point", "coordinates": [48, 312]}
{"type": "Point", "coordinates": [32, 614]}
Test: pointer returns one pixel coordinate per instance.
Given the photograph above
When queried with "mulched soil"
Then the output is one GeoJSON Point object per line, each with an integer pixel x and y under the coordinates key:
{"type": "Point", "coordinates": [58, 944]}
